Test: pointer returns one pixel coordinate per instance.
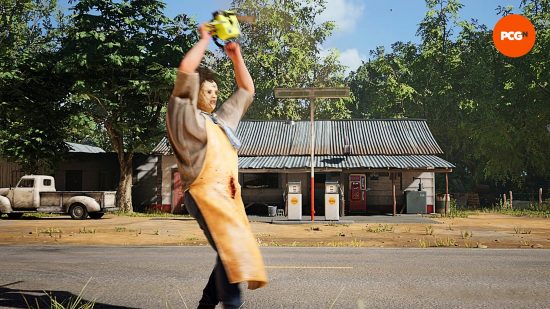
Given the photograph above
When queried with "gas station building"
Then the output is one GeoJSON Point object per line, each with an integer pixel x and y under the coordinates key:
{"type": "Point", "coordinates": [376, 166]}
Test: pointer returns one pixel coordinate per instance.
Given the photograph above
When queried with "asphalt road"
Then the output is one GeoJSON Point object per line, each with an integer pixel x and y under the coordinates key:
{"type": "Point", "coordinates": [173, 277]}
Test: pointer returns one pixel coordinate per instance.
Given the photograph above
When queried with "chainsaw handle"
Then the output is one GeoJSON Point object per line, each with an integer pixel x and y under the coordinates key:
{"type": "Point", "coordinates": [217, 42]}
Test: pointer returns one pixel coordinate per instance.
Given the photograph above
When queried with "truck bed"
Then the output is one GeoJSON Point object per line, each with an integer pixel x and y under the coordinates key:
{"type": "Point", "coordinates": [106, 199]}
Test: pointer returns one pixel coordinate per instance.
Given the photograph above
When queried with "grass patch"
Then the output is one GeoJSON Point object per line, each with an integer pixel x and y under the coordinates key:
{"type": "Point", "coordinates": [86, 231]}
{"type": "Point", "coordinates": [40, 215]}
{"type": "Point", "coordinates": [466, 234]}
{"type": "Point", "coordinates": [150, 214]}
{"type": "Point", "coordinates": [72, 303]}
{"type": "Point", "coordinates": [526, 243]}
{"type": "Point", "coordinates": [380, 228]}
{"type": "Point", "coordinates": [453, 212]}
{"type": "Point", "coordinates": [534, 211]}
{"type": "Point", "coordinates": [422, 243]}
{"type": "Point", "coordinates": [351, 243]}
{"type": "Point", "coordinates": [447, 242]}
{"type": "Point", "coordinates": [50, 231]}
{"type": "Point", "coordinates": [438, 242]}
{"type": "Point", "coordinates": [520, 230]}
{"type": "Point", "coordinates": [429, 229]}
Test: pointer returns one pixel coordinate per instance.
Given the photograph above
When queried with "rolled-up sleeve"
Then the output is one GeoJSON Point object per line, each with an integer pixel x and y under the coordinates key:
{"type": "Point", "coordinates": [184, 126]}
{"type": "Point", "coordinates": [235, 107]}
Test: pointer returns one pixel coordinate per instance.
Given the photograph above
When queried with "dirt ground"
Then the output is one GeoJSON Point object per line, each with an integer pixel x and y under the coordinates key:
{"type": "Point", "coordinates": [476, 231]}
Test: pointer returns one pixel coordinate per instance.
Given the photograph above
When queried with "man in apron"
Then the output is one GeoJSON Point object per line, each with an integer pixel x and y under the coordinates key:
{"type": "Point", "coordinates": [205, 147]}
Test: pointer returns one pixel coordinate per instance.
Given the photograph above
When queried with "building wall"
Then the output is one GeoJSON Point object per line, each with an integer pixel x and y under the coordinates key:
{"type": "Point", "coordinates": [10, 173]}
{"type": "Point", "coordinates": [380, 189]}
{"type": "Point", "coordinates": [428, 184]}
{"type": "Point", "coordinates": [256, 187]}
{"type": "Point", "coordinates": [145, 176]}
{"type": "Point", "coordinates": [168, 165]}
{"type": "Point", "coordinates": [379, 196]}
{"type": "Point", "coordinates": [100, 172]}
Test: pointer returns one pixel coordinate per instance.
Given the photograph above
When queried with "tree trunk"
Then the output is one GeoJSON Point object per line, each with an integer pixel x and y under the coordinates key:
{"type": "Point", "coordinates": [124, 190]}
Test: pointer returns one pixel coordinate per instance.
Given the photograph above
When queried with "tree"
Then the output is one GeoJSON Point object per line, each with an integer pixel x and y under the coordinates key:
{"type": "Point", "coordinates": [123, 55]}
{"type": "Point", "coordinates": [486, 110]}
{"type": "Point", "coordinates": [32, 93]}
{"type": "Point", "coordinates": [382, 86]}
{"type": "Point", "coordinates": [283, 49]}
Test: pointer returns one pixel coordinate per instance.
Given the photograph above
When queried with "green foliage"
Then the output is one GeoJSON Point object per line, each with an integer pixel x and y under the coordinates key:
{"type": "Point", "coordinates": [123, 56]}
{"type": "Point", "coordinates": [282, 49]}
{"type": "Point", "coordinates": [32, 91]}
{"type": "Point", "coordinates": [487, 111]}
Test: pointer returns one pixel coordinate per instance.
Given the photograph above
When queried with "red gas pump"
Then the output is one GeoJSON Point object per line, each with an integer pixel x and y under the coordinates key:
{"type": "Point", "coordinates": [358, 193]}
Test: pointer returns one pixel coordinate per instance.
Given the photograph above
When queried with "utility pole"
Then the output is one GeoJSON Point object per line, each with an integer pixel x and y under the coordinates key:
{"type": "Point", "coordinates": [312, 94]}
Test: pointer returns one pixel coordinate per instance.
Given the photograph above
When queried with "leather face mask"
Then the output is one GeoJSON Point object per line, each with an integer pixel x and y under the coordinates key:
{"type": "Point", "coordinates": [208, 96]}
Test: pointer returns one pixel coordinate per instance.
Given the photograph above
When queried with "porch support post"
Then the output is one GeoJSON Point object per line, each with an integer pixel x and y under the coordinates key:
{"type": "Point", "coordinates": [447, 197]}
{"type": "Point", "coordinates": [392, 175]}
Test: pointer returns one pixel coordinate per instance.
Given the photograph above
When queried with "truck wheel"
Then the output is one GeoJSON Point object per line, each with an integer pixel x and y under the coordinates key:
{"type": "Point", "coordinates": [15, 215]}
{"type": "Point", "coordinates": [96, 215]}
{"type": "Point", "coordinates": [78, 212]}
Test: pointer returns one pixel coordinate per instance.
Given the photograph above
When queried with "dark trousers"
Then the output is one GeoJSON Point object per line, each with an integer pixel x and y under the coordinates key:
{"type": "Point", "coordinates": [218, 287]}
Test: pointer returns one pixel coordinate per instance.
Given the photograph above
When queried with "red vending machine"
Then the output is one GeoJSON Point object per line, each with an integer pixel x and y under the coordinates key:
{"type": "Point", "coordinates": [357, 193]}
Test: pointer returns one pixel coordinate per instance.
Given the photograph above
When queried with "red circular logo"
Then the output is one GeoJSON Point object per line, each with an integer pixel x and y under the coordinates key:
{"type": "Point", "coordinates": [514, 35]}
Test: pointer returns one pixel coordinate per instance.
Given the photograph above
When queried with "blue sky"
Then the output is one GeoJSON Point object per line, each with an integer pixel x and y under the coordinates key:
{"type": "Point", "coordinates": [362, 24]}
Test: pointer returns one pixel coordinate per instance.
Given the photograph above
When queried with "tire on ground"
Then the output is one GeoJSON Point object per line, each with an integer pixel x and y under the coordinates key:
{"type": "Point", "coordinates": [78, 211]}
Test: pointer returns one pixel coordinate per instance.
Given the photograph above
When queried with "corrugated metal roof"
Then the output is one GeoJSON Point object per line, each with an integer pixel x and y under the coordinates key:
{"type": "Point", "coordinates": [74, 147]}
{"type": "Point", "coordinates": [364, 137]}
{"type": "Point", "coordinates": [344, 162]}
{"type": "Point", "coordinates": [163, 147]}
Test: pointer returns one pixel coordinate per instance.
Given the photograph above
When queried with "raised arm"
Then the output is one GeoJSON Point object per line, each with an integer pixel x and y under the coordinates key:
{"type": "Point", "coordinates": [236, 106]}
{"type": "Point", "coordinates": [242, 76]}
{"type": "Point", "coordinates": [192, 59]}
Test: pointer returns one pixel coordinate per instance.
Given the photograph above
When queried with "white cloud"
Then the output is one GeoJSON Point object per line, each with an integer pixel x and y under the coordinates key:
{"type": "Point", "coordinates": [351, 58]}
{"type": "Point", "coordinates": [344, 13]}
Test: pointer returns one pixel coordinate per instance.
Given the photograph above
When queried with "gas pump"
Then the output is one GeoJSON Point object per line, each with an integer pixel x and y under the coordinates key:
{"type": "Point", "coordinates": [294, 200]}
{"type": "Point", "coordinates": [332, 200]}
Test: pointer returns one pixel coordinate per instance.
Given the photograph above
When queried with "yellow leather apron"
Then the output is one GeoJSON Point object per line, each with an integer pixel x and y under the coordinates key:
{"type": "Point", "coordinates": [217, 193]}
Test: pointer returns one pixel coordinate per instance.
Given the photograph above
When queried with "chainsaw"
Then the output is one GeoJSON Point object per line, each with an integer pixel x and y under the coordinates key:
{"type": "Point", "coordinates": [225, 27]}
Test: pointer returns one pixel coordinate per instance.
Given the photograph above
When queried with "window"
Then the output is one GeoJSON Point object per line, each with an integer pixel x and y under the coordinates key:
{"type": "Point", "coordinates": [261, 180]}
{"type": "Point", "coordinates": [47, 182]}
{"type": "Point", "coordinates": [26, 183]}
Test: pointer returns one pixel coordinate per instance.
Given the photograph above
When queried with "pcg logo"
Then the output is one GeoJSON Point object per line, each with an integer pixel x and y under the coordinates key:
{"type": "Point", "coordinates": [514, 35]}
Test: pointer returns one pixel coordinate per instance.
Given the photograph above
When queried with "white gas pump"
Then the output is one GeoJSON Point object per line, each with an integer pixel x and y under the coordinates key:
{"type": "Point", "coordinates": [332, 200]}
{"type": "Point", "coordinates": [294, 200]}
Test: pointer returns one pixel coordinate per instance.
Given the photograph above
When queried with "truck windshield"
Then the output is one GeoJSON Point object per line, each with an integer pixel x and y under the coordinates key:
{"type": "Point", "coordinates": [26, 183]}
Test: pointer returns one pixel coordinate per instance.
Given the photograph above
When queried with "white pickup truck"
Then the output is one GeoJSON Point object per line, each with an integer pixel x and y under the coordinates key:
{"type": "Point", "coordinates": [36, 193]}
